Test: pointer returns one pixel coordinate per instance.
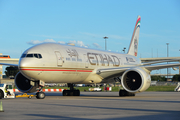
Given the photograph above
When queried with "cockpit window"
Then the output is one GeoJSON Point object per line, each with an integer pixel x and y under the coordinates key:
{"type": "Point", "coordinates": [23, 55]}
{"type": "Point", "coordinates": [36, 55]}
{"type": "Point", "coordinates": [40, 56]}
{"type": "Point", "coordinates": [31, 56]}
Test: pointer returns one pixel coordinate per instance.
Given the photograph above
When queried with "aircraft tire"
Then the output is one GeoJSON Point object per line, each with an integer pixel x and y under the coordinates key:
{"type": "Point", "coordinates": [123, 93]}
{"type": "Point", "coordinates": [76, 93]}
{"type": "Point", "coordinates": [65, 93]}
{"type": "Point", "coordinates": [40, 95]}
{"type": "Point", "coordinates": [71, 93]}
{"type": "Point", "coordinates": [37, 95]}
{"type": "Point", "coordinates": [1, 94]}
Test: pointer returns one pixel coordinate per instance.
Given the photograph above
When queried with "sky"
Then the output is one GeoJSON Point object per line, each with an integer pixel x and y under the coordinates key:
{"type": "Point", "coordinates": [85, 23]}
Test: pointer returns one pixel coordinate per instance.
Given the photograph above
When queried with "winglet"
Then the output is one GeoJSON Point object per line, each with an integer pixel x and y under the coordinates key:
{"type": "Point", "coordinates": [133, 48]}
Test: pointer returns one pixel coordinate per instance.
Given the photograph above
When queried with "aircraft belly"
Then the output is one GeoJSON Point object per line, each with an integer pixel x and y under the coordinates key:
{"type": "Point", "coordinates": [62, 76]}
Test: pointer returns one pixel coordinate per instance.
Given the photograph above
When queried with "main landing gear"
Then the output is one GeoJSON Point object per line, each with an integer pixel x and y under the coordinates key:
{"type": "Point", "coordinates": [71, 92]}
{"type": "Point", "coordinates": [123, 93]}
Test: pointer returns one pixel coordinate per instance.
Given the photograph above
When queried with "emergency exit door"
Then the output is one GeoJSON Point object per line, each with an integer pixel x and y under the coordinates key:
{"type": "Point", "coordinates": [59, 58]}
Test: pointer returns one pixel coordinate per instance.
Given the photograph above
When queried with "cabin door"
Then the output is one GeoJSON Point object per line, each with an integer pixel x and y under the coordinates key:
{"type": "Point", "coordinates": [59, 58]}
{"type": "Point", "coordinates": [86, 61]}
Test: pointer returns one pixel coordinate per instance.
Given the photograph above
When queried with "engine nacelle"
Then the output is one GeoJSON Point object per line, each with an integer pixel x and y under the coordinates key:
{"type": "Point", "coordinates": [24, 84]}
{"type": "Point", "coordinates": [135, 80]}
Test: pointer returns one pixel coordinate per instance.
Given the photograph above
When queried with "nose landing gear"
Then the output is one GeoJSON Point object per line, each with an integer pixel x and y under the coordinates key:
{"type": "Point", "coordinates": [40, 95]}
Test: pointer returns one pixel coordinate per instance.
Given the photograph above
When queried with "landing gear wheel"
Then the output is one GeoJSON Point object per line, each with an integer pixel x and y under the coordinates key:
{"type": "Point", "coordinates": [76, 93]}
{"type": "Point", "coordinates": [40, 95]}
{"type": "Point", "coordinates": [1, 94]}
{"type": "Point", "coordinates": [123, 93]}
{"type": "Point", "coordinates": [65, 92]}
{"type": "Point", "coordinates": [71, 93]}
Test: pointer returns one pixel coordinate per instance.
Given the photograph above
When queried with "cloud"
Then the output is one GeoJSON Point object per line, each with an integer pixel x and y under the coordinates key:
{"type": "Point", "coordinates": [78, 43]}
{"type": "Point", "coordinates": [96, 45]}
{"type": "Point", "coordinates": [61, 42]}
{"type": "Point", "coordinates": [34, 42]}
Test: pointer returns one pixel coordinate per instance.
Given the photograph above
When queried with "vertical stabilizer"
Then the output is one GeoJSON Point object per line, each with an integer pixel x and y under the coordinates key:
{"type": "Point", "coordinates": [133, 48]}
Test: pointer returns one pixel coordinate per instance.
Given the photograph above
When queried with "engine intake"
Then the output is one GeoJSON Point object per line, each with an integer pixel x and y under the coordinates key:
{"type": "Point", "coordinates": [24, 84]}
{"type": "Point", "coordinates": [135, 80]}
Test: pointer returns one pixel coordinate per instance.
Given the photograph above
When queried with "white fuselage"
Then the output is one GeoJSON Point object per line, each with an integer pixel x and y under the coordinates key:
{"type": "Point", "coordinates": [58, 63]}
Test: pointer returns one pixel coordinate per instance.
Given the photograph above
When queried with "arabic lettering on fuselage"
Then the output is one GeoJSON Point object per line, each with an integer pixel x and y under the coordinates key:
{"type": "Point", "coordinates": [72, 52]}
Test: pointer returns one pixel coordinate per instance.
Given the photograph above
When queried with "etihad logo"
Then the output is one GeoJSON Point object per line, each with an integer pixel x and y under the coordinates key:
{"type": "Point", "coordinates": [102, 59]}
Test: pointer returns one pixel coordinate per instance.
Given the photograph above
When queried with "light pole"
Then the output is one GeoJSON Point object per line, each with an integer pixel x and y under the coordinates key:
{"type": "Point", "coordinates": [167, 56]}
{"type": "Point", "coordinates": [105, 42]}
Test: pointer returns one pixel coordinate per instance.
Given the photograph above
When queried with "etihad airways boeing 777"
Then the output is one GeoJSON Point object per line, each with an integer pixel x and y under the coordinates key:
{"type": "Point", "coordinates": [56, 63]}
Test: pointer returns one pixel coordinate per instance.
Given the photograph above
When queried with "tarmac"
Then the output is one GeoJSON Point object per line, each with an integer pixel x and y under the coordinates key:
{"type": "Point", "coordinates": [93, 106]}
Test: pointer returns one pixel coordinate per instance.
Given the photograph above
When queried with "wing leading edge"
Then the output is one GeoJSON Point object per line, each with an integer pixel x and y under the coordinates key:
{"type": "Point", "coordinates": [7, 64]}
{"type": "Point", "coordinates": [113, 72]}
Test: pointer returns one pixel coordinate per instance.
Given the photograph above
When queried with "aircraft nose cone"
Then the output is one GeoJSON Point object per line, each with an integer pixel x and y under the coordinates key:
{"type": "Point", "coordinates": [22, 64]}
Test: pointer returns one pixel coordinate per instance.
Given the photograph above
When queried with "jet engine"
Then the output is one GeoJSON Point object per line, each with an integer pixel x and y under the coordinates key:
{"type": "Point", "coordinates": [135, 80]}
{"type": "Point", "coordinates": [24, 84]}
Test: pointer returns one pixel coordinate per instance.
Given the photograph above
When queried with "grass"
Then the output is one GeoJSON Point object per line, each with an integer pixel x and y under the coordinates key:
{"type": "Point", "coordinates": [161, 88]}
{"type": "Point", "coordinates": [116, 89]}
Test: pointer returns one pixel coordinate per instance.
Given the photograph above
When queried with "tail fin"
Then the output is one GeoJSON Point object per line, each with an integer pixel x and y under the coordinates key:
{"type": "Point", "coordinates": [133, 48]}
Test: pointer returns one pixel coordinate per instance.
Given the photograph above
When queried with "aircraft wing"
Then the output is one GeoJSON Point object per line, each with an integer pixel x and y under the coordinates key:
{"type": "Point", "coordinates": [157, 59]}
{"type": "Point", "coordinates": [161, 66]}
{"type": "Point", "coordinates": [9, 61]}
{"type": "Point", "coordinates": [111, 72]}
{"type": "Point", "coordinates": [118, 71]}
{"type": "Point", "coordinates": [161, 61]}
{"type": "Point", "coordinates": [7, 64]}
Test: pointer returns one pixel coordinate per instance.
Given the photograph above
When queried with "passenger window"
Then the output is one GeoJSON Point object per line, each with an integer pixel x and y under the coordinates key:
{"type": "Point", "coordinates": [73, 59]}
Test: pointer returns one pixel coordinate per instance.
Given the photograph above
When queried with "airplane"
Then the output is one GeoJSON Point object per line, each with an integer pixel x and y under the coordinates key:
{"type": "Point", "coordinates": [57, 63]}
